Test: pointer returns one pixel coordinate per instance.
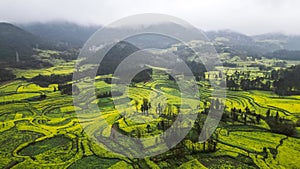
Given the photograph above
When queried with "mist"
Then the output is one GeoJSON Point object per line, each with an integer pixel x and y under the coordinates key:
{"type": "Point", "coordinates": [247, 16]}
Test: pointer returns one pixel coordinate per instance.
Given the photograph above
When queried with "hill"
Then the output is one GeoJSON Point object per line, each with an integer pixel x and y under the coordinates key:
{"type": "Point", "coordinates": [238, 44]}
{"type": "Point", "coordinates": [14, 39]}
{"type": "Point", "coordinates": [64, 34]}
{"type": "Point", "coordinates": [168, 46]}
{"type": "Point", "coordinates": [288, 42]}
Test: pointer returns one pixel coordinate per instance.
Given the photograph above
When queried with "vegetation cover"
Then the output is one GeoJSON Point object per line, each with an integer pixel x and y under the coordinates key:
{"type": "Point", "coordinates": [40, 126]}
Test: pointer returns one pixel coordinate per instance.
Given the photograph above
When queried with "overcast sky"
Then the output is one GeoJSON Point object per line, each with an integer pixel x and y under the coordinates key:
{"type": "Point", "coordinates": [246, 16]}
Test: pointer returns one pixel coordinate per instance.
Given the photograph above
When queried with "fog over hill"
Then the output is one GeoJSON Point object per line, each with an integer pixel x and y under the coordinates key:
{"type": "Point", "coordinates": [16, 40]}
{"type": "Point", "coordinates": [257, 46]}
{"type": "Point", "coordinates": [67, 33]}
{"type": "Point", "coordinates": [62, 35]}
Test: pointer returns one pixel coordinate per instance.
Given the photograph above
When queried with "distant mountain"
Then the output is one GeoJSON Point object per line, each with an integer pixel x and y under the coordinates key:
{"type": "Point", "coordinates": [291, 42]}
{"type": "Point", "coordinates": [65, 35]}
{"type": "Point", "coordinates": [271, 36]}
{"type": "Point", "coordinates": [16, 40]}
{"type": "Point", "coordinates": [284, 54]}
{"type": "Point", "coordinates": [155, 37]}
{"type": "Point", "coordinates": [289, 45]}
{"type": "Point", "coordinates": [238, 44]}
{"type": "Point", "coordinates": [257, 46]}
{"type": "Point", "coordinates": [230, 37]}
{"type": "Point", "coordinates": [62, 33]}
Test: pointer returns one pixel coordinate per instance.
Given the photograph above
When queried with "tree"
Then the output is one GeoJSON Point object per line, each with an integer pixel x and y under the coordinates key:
{"type": "Point", "coordinates": [163, 125]}
{"type": "Point", "coordinates": [6, 75]}
{"type": "Point", "coordinates": [245, 84]}
{"type": "Point", "coordinates": [136, 103]}
{"type": "Point", "coordinates": [145, 106]}
{"type": "Point", "coordinates": [268, 113]}
{"type": "Point", "coordinates": [139, 133]}
{"type": "Point", "coordinates": [287, 83]}
{"type": "Point", "coordinates": [277, 115]}
{"type": "Point", "coordinates": [247, 110]}
{"type": "Point", "coordinates": [148, 128]}
{"type": "Point", "coordinates": [281, 87]}
{"type": "Point", "coordinates": [142, 108]}
{"type": "Point", "coordinates": [245, 119]}
{"type": "Point", "coordinates": [43, 96]}
{"type": "Point", "coordinates": [232, 85]}
{"type": "Point", "coordinates": [258, 117]}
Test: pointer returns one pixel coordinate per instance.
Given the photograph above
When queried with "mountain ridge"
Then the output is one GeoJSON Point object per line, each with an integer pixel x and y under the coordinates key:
{"type": "Point", "coordinates": [16, 40]}
{"type": "Point", "coordinates": [64, 35]}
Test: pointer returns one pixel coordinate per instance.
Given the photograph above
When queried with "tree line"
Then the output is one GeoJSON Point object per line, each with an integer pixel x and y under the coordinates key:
{"type": "Point", "coordinates": [282, 82]}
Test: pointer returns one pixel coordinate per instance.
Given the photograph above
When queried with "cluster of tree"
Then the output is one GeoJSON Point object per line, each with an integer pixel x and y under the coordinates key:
{"type": "Point", "coordinates": [284, 54]}
{"type": "Point", "coordinates": [247, 116]}
{"type": "Point", "coordinates": [145, 106]}
{"type": "Point", "coordinates": [43, 96]}
{"type": "Point", "coordinates": [210, 145]}
{"type": "Point", "coordinates": [163, 125]}
{"type": "Point", "coordinates": [68, 89]}
{"type": "Point", "coordinates": [260, 66]}
{"type": "Point", "coordinates": [61, 80]}
{"type": "Point", "coordinates": [228, 64]}
{"type": "Point", "coordinates": [45, 81]}
{"type": "Point", "coordinates": [215, 104]}
{"type": "Point", "coordinates": [286, 81]}
{"type": "Point", "coordinates": [198, 69]}
{"type": "Point", "coordinates": [280, 64]}
{"type": "Point", "coordinates": [283, 81]}
{"type": "Point", "coordinates": [242, 80]}
{"type": "Point", "coordinates": [276, 123]}
{"type": "Point", "coordinates": [256, 84]}
{"type": "Point", "coordinates": [169, 113]}
{"type": "Point", "coordinates": [280, 124]}
{"type": "Point", "coordinates": [109, 94]}
{"type": "Point", "coordinates": [6, 75]}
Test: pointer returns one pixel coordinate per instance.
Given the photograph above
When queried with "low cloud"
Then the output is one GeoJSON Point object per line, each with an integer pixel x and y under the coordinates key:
{"type": "Point", "coordinates": [247, 16]}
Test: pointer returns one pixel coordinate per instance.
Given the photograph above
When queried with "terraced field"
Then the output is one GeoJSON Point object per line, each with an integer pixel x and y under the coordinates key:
{"type": "Point", "coordinates": [46, 132]}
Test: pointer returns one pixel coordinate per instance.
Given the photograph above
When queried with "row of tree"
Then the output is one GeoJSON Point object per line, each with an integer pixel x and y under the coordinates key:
{"type": "Point", "coordinates": [287, 81]}
{"type": "Point", "coordinates": [243, 81]}
{"type": "Point", "coordinates": [282, 82]}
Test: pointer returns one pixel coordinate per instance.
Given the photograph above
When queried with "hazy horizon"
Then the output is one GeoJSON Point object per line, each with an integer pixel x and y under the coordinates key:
{"type": "Point", "coordinates": [251, 17]}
